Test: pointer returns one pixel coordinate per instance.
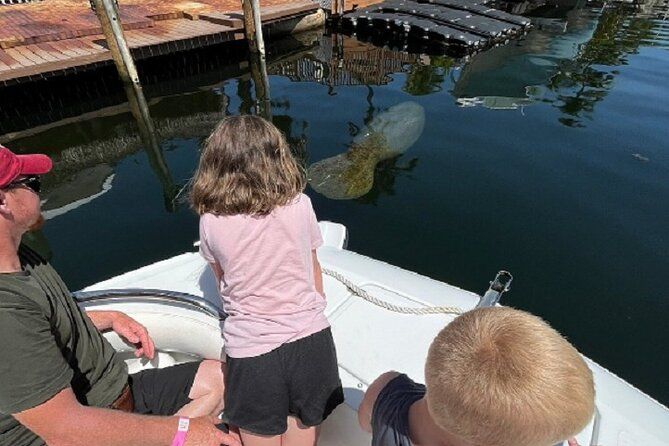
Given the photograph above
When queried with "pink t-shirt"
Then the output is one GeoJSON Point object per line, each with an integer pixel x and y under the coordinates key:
{"type": "Point", "coordinates": [267, 287]}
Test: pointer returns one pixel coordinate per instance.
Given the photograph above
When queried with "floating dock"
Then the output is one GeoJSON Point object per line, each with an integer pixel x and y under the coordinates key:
{"type": "Point", "coordinates": [461, 23]}
{"type": "Point", "coordinates": [57, 37]}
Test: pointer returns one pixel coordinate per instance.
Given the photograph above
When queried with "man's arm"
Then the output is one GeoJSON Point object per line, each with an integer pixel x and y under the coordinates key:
{"type": "Point", "coordinates": [127, 328]}
{"type": "Point", "coordinates": [367, 405]}
{"type": "Point", "coordinates": [63, 421]}
{"type": "Point", "coordinates": [102, 320]}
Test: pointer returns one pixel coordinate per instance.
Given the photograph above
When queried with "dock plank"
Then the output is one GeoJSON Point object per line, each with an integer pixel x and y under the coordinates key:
{"type": "Point", "coordinates": [24, 57]}
{"type": "Point", "coordinates": [274, 12]}
{"type": "Point", "coordinates": [138, 39]}
{"type": "Point", "coordinates": [74, 47]}
{"type": "Point", "coordinates": [63, 47]}
{"type": "Point", "coordinates": [39, 51]}
{"type": "Point", "coordinates": [29, 73]}
{"type": "Point", "coordinates": [221, 18]}
{"type": "Point", "coordinates": [53, 51]}
{"type": "Point", "coordinates": [85, 47]}
{"type": "Point", "coordinates": [36, 42]}
{"type": "Point", "coordinates": [8, 60]}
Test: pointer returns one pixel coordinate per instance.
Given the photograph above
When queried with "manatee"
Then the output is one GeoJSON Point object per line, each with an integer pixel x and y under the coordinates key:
{"type": "Point", "coordinates": [351, 174]}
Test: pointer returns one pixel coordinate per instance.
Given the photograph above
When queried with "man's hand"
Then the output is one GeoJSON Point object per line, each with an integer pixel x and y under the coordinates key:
{"type": "Point", "coordinates": [203, 432]}
{"type": "Point", "coordinates": [135, 333]}
{"type": "Point", "coordinates": [127, 328]}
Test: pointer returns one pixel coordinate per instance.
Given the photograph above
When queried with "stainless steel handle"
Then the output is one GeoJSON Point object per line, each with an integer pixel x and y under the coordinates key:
{"type": "Point", "coordinates": [149, 295]}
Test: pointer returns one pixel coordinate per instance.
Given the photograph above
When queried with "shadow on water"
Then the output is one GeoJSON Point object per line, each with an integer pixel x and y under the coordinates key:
{"type": "Point", "coordinates": [546, 156]}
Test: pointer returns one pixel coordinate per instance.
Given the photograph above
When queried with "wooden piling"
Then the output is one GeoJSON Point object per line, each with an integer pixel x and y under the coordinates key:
{"type": "Point", "coordinates": [253, 26]}
{"type": "Point", "coordinates": [108, 14]}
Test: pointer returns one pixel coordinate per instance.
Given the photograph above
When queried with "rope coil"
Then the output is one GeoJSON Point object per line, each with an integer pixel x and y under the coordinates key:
{"type": "Point", "coordinates": [358, 291]}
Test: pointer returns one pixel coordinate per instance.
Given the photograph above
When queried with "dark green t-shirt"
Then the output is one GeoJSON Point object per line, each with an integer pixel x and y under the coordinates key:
{"type": "Point", "coordinates": [47, 344]}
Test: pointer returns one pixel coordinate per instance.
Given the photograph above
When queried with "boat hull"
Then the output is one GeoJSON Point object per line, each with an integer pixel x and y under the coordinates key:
{"type": "Point", "coordinates": [370, 340]}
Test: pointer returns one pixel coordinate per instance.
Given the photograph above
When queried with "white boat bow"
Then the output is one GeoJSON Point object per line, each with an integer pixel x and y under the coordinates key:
{"type": "Point", "coordinates": [184, 322]}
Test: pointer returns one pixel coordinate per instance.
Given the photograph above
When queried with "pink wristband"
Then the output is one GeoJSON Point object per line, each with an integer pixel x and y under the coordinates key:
{"type": "Point", "coordinates": [182, 430]}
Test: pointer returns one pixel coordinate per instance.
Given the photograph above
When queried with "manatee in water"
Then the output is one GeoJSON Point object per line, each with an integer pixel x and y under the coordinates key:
{"type": "Point", "coordinates": [351, 174]}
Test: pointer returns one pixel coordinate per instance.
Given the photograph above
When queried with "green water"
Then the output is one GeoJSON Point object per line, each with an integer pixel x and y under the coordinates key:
{"type": "Point", "coordinates": [548, 157]}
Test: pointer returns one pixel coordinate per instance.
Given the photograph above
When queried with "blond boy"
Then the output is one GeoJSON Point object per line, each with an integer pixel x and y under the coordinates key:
{"type": "Point", "coordinates": [494, 377]}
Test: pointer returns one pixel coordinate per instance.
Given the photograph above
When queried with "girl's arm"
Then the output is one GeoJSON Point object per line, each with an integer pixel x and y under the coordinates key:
{"type": "Point", "coordinates": [318, 274]}
{"type": "Point", "coordinates": [218, 273]}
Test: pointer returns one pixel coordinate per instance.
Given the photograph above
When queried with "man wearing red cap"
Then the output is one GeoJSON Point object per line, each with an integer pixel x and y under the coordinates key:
{"type": "Point", "coordinates": [61, 382]}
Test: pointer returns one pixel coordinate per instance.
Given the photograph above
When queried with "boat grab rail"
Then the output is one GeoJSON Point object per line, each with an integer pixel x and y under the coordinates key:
{"type": "Point", "coordinates": [498, 286]}
{"type": "Point", "coordinates": [150, 295]}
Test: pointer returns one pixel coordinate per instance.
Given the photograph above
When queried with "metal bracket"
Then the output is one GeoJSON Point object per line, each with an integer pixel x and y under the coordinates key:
{"type": "Point", "coordinates": [500, 285]}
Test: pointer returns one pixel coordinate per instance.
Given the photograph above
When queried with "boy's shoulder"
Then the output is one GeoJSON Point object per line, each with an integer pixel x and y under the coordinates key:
{"type": "Point", "coordinates": [371, 395]}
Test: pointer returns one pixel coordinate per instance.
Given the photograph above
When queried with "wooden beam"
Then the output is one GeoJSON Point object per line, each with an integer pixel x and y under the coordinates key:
{"type": "Point", "coordinates": [253, 26]}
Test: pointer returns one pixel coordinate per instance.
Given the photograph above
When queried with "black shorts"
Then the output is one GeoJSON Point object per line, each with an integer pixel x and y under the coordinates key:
{"type": "Point", "coordinates": [162, 391]}
{"type": "Point", "coordinates": [300, 378]}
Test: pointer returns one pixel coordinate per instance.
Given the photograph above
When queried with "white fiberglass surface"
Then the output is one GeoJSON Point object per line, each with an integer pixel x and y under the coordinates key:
{"type": "Point", "coordinates": [371, 340]}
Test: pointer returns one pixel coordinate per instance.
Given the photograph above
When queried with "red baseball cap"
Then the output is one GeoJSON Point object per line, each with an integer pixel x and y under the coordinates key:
{"type": "Point", "coordinates": [13, 166]}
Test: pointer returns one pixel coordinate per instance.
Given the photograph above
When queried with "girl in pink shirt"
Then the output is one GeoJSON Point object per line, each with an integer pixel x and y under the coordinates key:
{"type": "Point", "coordinates": [259, 233]}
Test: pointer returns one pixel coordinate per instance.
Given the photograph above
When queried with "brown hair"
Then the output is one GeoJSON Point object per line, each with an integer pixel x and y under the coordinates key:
{"type": "Point", "coordinates": [503, 377]}
{"type": "Point", "coordinates": [246, 168]}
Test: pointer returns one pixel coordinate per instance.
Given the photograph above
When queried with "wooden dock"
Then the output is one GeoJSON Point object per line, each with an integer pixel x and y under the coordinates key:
{"type": "Point", "coordinates": [46, 39]}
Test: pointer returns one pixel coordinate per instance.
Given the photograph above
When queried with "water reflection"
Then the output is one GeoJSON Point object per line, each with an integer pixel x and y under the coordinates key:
{"type": "Point", "coordinates": [569, 61]}
{"type": "Point", "coordinates": [386, 174]}
{"type": "Point", "coordinates": [84, 172]}
{"type": "Point", "coordinates": [487, 188]}
{"type": "Point", "coordinates": [84, 186]}
{"type": "Point", "coordinates": [581, 82]}
{"type": "Point", "coordinates": [338, 60]}
{"type": "Point", "coordinates": [428, 76]}
{"type": "Point", "coordinates": [509, 76]}
{"type": "Point", "coordinates": [147, 133]}
{"type": "Point", "coordinates": [261, 83]}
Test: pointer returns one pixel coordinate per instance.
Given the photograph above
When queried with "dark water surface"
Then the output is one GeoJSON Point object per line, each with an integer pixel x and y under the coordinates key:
{"type": "Point", "coordinates": [548, 157]}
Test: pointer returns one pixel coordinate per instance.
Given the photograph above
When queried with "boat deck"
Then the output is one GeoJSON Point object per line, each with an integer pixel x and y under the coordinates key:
{"type": "Point", "coordinates": [370, 339]}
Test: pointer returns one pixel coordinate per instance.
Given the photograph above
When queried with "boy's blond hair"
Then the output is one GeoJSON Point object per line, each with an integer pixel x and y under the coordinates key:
{"type": "Point", "coordinates": [503, 377]}
{"type": "Point", "coordinates": [246, 167]}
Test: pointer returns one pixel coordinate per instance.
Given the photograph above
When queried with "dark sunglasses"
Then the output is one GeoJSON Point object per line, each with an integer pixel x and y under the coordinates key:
{"type": "Point", "coordinates": [32, 182]}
